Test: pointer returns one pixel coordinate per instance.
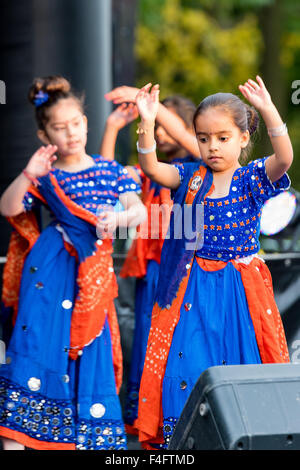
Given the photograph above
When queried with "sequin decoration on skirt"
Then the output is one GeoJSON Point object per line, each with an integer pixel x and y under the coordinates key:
{"type": "Point", "coordinates": [47, 400]}
{"type": "Point", "coordinates": [213, 330]}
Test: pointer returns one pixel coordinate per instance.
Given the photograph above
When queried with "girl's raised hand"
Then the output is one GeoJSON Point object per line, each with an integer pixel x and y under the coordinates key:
{"type": "Point", "coordinates": [41, 161]}
{"type": "Point", "coordinates": [123, 115]}
{"type": "Point", "coordinates": [147, 101]}
{"type": "Point", "coordinates": [122, 94]}
{"type": "Point", "coordinates": [256, 93]}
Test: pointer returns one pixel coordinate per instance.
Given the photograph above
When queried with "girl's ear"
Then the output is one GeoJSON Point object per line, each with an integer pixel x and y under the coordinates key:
{"type": "Point", "coordinates": [245, 137]}
{"type": "Point", "coordinates": [43, 137]}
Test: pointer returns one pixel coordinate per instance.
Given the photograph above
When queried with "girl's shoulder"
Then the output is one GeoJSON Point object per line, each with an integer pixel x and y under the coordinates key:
{"type": "Point", "coordinates": [102, 161]}
{"type": "Point", "coordinates": [187, 168]}
{"type": "Point", "coordinates": [254, 176]}
{"type": "Point", "coordinates": [111, 165]}
{"type": "Point", "coordinates": [189, 165]}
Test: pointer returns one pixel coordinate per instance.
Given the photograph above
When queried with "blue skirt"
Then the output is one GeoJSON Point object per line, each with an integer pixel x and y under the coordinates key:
{"type": "Point", "coordinates": [213, 330]}
{"type": "Point", "coordinates": [49, 399]}
{"type": "Point", "coordinates": [145, 294]}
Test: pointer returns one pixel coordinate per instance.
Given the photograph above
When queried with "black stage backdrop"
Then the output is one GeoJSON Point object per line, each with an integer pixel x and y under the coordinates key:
{"type": "Point", "coordinates": [90, 43]}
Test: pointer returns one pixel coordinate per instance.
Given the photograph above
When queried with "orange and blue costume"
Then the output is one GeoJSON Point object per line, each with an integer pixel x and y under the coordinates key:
{"type": "Point", "coordinates": [59, 386]}
{"type": "Point", "coordinates": [142, 262]}
{"type": "Point", "coordinates": [214, 302]}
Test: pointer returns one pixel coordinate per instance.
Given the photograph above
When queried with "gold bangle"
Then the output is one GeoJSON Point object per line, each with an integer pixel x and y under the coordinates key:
{"type": "Point", "coordinates": [142, 130]}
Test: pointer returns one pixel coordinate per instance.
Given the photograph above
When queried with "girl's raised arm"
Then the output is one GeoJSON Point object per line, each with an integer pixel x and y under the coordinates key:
{"type": "Point", "coordinates": [119, 118]}
{"type": "Point", "coordinates": [168, 120]}
{"type": "Point", "coordinates": [257, 95]}
{"type": "Point", "coordinates": [11, 202]}
{"type": "Point", "coordinates": [147, 101]}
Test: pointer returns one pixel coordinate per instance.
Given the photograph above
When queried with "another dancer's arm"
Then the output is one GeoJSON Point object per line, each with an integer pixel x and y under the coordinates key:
{"type": "Point", "coordinates": [147, 101]}
{"type": "Point", "coordinates": [170, 121]}
{"type": "Point", "coordinates": [119, 118]}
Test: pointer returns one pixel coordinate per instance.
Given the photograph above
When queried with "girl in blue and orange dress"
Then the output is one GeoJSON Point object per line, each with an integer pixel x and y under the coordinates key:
{"type": "Point", "coordinates": [214, 304]}
{"type": "Point", "coordinates": [59, 386]}
{"type": "Point", "coordinates": [143, 258]}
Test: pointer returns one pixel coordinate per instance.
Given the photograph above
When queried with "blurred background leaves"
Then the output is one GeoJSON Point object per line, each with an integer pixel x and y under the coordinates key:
{"type": "Point", "coordinates": [196, 48]}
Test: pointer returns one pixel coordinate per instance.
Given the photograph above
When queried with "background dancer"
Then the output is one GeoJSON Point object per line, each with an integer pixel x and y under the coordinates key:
{"type": "Point", "coordinates": [59, 389]}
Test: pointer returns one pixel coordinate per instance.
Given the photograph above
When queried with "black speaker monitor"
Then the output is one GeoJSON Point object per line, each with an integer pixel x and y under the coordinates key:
{"type": "Point", "coordinates": [245, 407]}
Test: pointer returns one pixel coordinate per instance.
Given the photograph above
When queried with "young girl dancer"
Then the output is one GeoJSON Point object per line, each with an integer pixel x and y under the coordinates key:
{"type": "Point", "coordinates": [214, 303]}
{"type": "Point", "coordinates": [59, 386]}
{"type": "Point", "coordinates": [143, 258]}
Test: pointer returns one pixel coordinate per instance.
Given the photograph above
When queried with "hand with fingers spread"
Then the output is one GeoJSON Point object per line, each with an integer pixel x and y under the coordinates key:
{"type": "Point", "coordinates": [165, 117]}
{"type": "Point", "coordinates": [122, 94]}
{"type": "Point", "coordinates": [256, 93]}
{"type": "Point", "coordinates": [259, 97]}
{"type": "Point", "coordinates": [147, 101]}
{"type": "Point", "coordinates": [122, 116]}
{"type": "Point", "coordinates": [40, 164]}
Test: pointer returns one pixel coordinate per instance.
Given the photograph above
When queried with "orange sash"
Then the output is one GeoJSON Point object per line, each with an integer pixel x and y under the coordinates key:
{"type": "Point", "coordinates": [96, 280]}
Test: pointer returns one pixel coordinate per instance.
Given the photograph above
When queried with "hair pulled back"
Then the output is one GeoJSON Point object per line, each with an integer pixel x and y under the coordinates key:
{"type": "Point", "coordinates": [53, 89]}
{"type": "Point", "coordinates": [244, 116]}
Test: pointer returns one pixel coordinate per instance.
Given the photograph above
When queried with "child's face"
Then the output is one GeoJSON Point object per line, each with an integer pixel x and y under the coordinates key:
{"type": "Point", "coordinates": [220, 140]}
{"type": "Point", "coordinates": [165, 143]}
{"type": "Point", "coordinates": [66, 128]}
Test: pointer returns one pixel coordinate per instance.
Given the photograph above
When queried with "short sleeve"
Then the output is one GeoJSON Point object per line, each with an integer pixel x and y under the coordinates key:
{"type": "Point", "coordinates": [141, 175]}
{"type": "Point", "coordinates": [125, 183]}
{"type": "Point", "coordinates": [180, 168]}
{"type": "Point", "coordinates": [30, 202]}
{"type": "Point", "coordinates": [262, 188]}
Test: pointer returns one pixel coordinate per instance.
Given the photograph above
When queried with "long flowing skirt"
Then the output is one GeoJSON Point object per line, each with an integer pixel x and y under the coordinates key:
{"type": "Point", "coordinates": [47, 400]}
{"type": "Point", "coordinates": [145, 294]}
{"type": "Point", "coordinates": [215, 328]}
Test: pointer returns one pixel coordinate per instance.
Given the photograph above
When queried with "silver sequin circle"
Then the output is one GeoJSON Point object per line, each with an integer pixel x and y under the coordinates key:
{"type": "Point", "coordinates": [34, 384]}
{"type": "Point", "coordinates": [67, 304]}
{"type": "Point", "coordinates": [97, 410]}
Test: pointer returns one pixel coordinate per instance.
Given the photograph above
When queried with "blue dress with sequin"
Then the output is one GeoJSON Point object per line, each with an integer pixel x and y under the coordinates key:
{"type": "Point", "coordinates": [144, 300]}
{"type": "Point", "coordinates": [43, 394]}
{"type": "Point", "coordinates": [215, 327]}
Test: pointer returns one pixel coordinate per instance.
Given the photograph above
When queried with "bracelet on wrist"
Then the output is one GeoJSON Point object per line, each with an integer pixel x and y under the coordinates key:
{"type": "Point", "coordinates": [143, 129]}
{"type": "Point", "coordinates": [31, 178]}
{"type": "Point", "coordinates": [146, 150]}
{"type": "Point", "coordinates": [278, 131]}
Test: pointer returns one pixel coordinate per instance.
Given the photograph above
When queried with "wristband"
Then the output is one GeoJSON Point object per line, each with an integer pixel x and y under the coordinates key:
{"type": "Point", "coordinates": [148, 150]}
{"type": "Point", "coordinates": [31, 178]}
{"type": "Point", "coordinates": [278, 131]}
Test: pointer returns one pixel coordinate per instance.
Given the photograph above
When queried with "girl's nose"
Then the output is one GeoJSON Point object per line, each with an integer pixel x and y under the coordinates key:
{"type": "Point", "coordinates": [213, 143]}
{"type": "Point", "coordinates": [70, 130]}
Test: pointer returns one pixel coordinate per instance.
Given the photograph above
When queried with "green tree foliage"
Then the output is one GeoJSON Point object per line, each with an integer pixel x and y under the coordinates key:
{"type": "Point", "coordinates": [187, 51]}
{"type": "Point", "coordinates": [196, 48]}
